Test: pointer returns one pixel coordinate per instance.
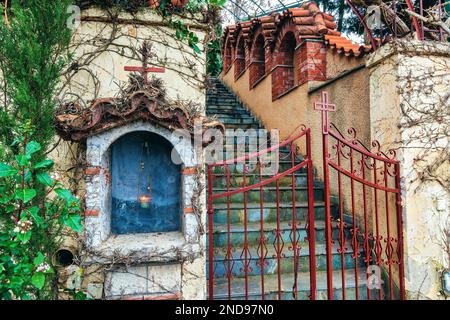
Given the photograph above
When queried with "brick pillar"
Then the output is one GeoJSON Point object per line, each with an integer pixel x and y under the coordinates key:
{"type": "Point", "coordinates": [311, 61]}
{"type": "Point", "coordinates": [268, 58]}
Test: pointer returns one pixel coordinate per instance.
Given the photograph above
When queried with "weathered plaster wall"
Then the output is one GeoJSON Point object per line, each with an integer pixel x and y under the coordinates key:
{"type": "Point", "coordinates": [410, 99]}
{"type": "Point", "coordinates": [101, 51]}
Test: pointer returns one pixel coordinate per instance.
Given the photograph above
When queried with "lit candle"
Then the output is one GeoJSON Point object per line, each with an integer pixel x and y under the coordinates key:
{"type": "Point", "coordinates": [144, 201]}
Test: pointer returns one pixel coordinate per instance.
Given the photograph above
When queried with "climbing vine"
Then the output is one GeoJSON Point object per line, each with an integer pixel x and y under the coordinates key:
{"type": "Point", "coordinates": [172, 14]}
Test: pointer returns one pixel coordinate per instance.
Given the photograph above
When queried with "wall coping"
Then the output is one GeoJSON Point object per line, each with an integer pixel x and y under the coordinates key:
{"type": "Point", "coordinates": [407, 47]}
{"type": "Point", "coordinates": [146, 17]}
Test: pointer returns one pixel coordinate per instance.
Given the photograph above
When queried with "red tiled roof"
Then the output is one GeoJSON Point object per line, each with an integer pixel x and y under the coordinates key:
{"type": "Point", "coordinates": [309, 22]}
{"type": "Point", "coordinates": [345, 46]}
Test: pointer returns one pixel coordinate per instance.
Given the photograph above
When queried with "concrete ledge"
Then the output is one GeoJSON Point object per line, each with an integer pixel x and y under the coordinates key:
{"type": "Point", "coordinates": [408, 47]}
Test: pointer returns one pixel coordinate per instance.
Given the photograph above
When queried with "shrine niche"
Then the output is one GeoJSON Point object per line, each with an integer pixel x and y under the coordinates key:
{"type": "Point", "coordinates": [145, 183]}
{"type": "Point", "coordinates": [144, 202]}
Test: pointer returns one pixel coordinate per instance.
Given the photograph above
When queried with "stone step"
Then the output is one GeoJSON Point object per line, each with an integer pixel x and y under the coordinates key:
{"type": "Point", "coordinates": [237, 180]}
{"type": "Point", "coordinates": [270, 195]}
{"type": "Point", "coordinates": [271, 286]}
{"type": "Point", "coordinates": [237, 121]}
{"type": "Point", "coordinates": [232, 110]}
{"type": "Point", "coordinates": [244, 126]}
{"type": "Point", "coordinates": [236, 236]}
{"type": "Point", "coordinates": [236, 214]}
{"type": "Point", "coordinates": [252, 168]}
{"type": "Point", "coordinates": [235, 265]}
{"type": "Point", "coordinates": [235, 116]}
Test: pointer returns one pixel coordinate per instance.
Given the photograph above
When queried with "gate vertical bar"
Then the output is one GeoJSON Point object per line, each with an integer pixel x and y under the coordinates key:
{"type": "Point", "coordinates": [388, 229]}
{"type": "Point", "coordinates": [326, 107]}
{"type": "Point", "coordinates": [355, 243]}
{"type": "Point", "coordinates": [278, 233]}
{"type": "Point", "coordinates": [246, 263]}
{"type": "Point", "coordinates": [294, 225]}
{"type": "Point", "coordinates": [229, 254]}
{"type": "Point", "coordinates": [400, 233]}
{"type": "Point", "coordinates": [261, 221]}
{"type": "Point", "coordinates": [311, 233]}
{"type": "Point", "coordinates": [366, 224]}
{"type": "Point", "coordinates": [210, 235]}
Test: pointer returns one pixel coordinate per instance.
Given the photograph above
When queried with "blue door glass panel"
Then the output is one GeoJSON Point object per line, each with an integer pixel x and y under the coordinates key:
{"type": "Point", "coordinates": [140, 160]}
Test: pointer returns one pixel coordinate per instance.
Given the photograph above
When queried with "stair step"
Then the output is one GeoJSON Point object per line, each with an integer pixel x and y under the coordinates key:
{"type": "Point", "coordinates": [269, 195]}
{"type": "Point", "coordinates": [237, 233]}
{"type": "Point", "coordinates": [236, 264]}
{"type": "Point", "coordinates": [287, 280]}
{"type": "Point", "coordinates": [237, 211]}
{"type": "Point", "coordinates": [237, 180]}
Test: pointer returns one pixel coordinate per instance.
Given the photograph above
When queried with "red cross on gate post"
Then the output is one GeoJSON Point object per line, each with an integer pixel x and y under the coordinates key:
{"type": "Point", "coordinates": [145, 70]}
{"type": "Point", "coordinates": [325, 107]}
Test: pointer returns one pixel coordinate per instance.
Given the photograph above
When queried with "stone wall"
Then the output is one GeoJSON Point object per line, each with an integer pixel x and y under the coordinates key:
{"type": "Point", "coordinates": [102, 48]}
{"type": "Point", "coordinates": [409, 104]}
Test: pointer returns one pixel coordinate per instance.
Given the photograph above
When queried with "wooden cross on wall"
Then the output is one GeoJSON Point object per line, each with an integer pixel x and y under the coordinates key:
{"type": "Point", "coordinates": [145, 70]}
{"type": "Point", "coordinates": [325, 106]}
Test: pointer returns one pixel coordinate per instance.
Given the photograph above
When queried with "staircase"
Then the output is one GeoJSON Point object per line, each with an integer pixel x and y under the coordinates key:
{"type": "Point", "coordinates": [224, 104]}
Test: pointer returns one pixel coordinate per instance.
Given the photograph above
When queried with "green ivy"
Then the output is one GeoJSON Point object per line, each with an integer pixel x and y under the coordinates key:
{"type": "Point", "coordinates": [31, 219]}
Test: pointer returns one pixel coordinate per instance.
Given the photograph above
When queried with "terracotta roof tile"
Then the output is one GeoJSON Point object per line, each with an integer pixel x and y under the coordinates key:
{"type": "Point", "coordinates": [309, 22]}
{"type": "Point", "coordinates": [345, 46]}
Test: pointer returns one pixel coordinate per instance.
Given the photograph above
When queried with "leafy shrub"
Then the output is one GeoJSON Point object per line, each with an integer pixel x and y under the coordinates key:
{"type": "Point", "coordinates": [34, 210]}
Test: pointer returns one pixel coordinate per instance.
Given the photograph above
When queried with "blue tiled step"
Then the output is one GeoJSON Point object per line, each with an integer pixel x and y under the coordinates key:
{"type": "Point", "coordinates": [237, 233]}
{"type": "Point", "coordinates": [237, 211]}
{"type": "Point", "coordinates": [287, 281]}
{"type": "Point", "coordinates": [236, 180]}
{"type": "Point", "coordinates": [270, 195]}
{"type": "Point", "coordinates": [236, 265]}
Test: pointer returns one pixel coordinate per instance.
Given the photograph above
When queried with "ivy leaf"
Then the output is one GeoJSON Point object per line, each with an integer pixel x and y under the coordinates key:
{"type": "Point", "coordinates": [44, 164]}
{"type": "Point", "coordinates": [32, 147]}
{"type": "Point", "coordinates": [24, 237]}
{"type": "Point", "coordinates": [34, 212]}
{"type": "Point", "coordinates": [38, 280]}
{"type": "Point", "coordinates": [73, 221]}
{"type": "Point", "coordinates": [22, 160]}
{"type": "Point", "coordinates": [6, 170]}
{"type": "Point", "coordinates": [45, 179]}
{"type": "Point", "coordinates": [38, 259]}
{"type": "Point", "coordinates": [196, 48]}
{"type": "Point", "coordinates": [80, 296]}
{"type": "Point", "coordinates": [66, 195]}
{"type": "Point", "coordinates": [4, 199]}
{"type": "Point", "coordinates": [25, 194]}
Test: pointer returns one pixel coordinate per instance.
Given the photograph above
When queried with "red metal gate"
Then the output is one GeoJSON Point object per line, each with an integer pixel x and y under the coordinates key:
{"type": "Point", "coordinates": [263, 250]}
{"type": "Point", "coordinates": [254, 260]}
{"type": "Point", "coordinates": [368, 221]}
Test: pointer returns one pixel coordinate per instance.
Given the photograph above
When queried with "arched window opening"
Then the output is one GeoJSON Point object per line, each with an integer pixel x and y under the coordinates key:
{"type": "Point", "coordinates": [283, 75]}
{"type": "Point", "coordinates": [239, 61]}
{"type": "Point", "coordinates": [258, 62]}
{"type": "Point", "coordinates": [145, 185]}
{"type": "Point", "coordinates": [227, 57]}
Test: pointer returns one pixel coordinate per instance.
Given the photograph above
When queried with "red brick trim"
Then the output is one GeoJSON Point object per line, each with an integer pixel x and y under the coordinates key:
{"type": "Point", "coordinates": [92, 171]}
{"type": "Point", "coordinates": [92, 213]}
{"type": "Point", "coordinates": [189, 171]}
